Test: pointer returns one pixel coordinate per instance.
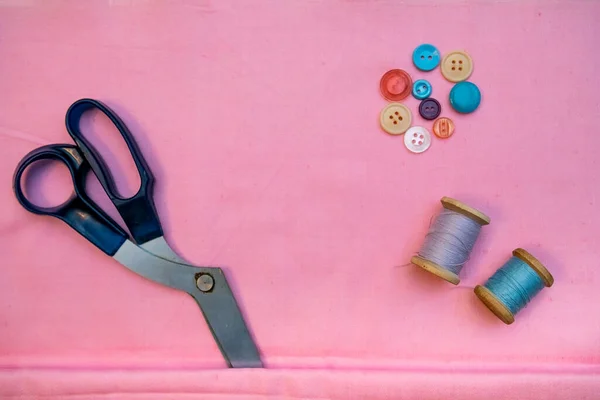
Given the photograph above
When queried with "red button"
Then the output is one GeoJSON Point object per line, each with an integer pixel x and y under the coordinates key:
{"type": "Point", "coordinates": [395, 85]}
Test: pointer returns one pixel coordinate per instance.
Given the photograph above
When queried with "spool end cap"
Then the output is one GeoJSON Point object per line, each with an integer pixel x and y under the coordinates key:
{"type": "Point", "coordinates": [494, 305]}
{"type": "Point", "coordinates": [536, 265]}
{"type": "Point", "coordinates": [460, 207]}
{"type": "Point", "coordinates": [435, 269]}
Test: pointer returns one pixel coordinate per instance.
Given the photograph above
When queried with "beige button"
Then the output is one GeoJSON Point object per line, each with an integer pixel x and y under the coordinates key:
{"type": "Point", "coordinates": [395, 118]}
{"type": "Point", "coordinates": [457, 66]}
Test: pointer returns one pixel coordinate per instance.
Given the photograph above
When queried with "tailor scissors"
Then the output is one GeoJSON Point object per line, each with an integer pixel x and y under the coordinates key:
{"type": "Point", "coordinates": [150, 256]}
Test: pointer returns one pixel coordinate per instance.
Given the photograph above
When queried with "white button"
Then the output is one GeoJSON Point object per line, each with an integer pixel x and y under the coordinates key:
{"type": "Point", "coordinates": [417, 139]}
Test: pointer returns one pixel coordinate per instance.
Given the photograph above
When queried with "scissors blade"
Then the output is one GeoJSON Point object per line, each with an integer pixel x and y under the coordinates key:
{"type": "Point", "coordinates": [160, 248]}
{"type": "Point", "coordinates": [217, 303]}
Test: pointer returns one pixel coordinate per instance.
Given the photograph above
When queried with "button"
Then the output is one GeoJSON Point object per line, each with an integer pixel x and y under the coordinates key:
{"type": "Point", "coordinates": [421, 89]}
{"type": "Point", "coordinates": [457, 66]}
{"type": "Point", "coordinates": [430, 108]}
{"type": "Point", "coordinates": [417, 139]}
{"type": "Point", "coordinates": [465, 97]}
{"type": "Point", "coordinates": [395, 85]}
{"type": "Point", "coordinates": [395, 118]}
{"type": "Point", "coordinates": [443, 127]}
{"type": "Point", "coordinates": [426, 57]}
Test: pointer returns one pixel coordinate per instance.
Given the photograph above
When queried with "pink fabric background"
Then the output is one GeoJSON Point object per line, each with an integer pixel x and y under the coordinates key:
{"type": "Point", "coordinates": [260, 122]}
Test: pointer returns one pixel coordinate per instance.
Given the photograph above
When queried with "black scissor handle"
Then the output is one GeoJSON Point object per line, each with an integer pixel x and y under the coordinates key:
{"type": "Point", "coordinates": [138, 211]}
{"type": "Point", "coordinates": [79, 211]}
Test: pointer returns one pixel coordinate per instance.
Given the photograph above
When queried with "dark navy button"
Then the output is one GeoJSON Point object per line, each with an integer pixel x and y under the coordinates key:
{"type": "Point", "coordinates": [430, 109]}
{"type": "Point", "coordinates": [465, 97]}
{"type": "Point", "coordinates": [421, 89]}
{"type": "Point", "coordinates": [426, 57]}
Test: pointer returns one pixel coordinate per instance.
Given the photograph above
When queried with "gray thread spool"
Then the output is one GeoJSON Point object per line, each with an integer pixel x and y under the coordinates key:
{"type": "Point", "coordinates": [451, 237]}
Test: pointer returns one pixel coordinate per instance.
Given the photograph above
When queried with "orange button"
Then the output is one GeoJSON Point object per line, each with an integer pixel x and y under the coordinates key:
{"type": "Point", "coordinates": [443, 127]}
{"type": "Point", "coordinates": [395, 85]}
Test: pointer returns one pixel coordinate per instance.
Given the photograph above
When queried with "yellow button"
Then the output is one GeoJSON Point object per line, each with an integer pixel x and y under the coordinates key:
{"type": "Point", "coordinates": [457, 66]}
{"type": "Point", "coordinates": [395, 118]}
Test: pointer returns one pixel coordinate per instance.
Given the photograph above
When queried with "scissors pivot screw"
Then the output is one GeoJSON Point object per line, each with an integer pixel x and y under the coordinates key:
{"type": "Point", "coordinates": [205, 282]}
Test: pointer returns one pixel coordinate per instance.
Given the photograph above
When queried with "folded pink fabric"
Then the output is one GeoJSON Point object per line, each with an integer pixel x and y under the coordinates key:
{"type": "Point", "coordinates": [260, 122]}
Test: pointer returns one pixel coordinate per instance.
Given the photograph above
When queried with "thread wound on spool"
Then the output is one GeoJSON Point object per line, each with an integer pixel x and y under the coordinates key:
{"type": "Point", "coordinates": [450, 240]}
{"type": "Point", "coordinates": [514, 285]}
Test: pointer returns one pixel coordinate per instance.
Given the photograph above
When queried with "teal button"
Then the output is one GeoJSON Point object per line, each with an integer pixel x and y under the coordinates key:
{"type": "Point", "coordinates": [421, 89]}
{"type": "Point", "coordinates": [426, 57]}
{"type": "Point", "coordinates": [465, 97]}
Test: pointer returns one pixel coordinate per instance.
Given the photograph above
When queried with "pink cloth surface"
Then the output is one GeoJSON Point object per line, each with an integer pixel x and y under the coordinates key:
{"type": "Point", "coordinates": [260, 123]}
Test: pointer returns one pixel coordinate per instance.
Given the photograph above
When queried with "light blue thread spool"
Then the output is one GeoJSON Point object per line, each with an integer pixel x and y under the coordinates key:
{"type": "Point", "coordinates": [513, 285]}
{"type": "Point", "coordinates": [450, 240]}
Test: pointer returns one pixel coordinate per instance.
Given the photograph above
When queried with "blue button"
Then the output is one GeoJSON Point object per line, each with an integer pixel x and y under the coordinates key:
{"type": "Point", "coordinates": [426, 57]}
{"type": "Point", "coordinates": [465, 97]}
{"type": "Point", "coordinates": [421, 89]}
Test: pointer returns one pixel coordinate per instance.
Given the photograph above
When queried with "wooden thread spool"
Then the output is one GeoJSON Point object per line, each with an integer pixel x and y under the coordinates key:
{"type": "Point", "coordinates": [495, 305]}
{"type": "Point", "coordinates": [469, 212]}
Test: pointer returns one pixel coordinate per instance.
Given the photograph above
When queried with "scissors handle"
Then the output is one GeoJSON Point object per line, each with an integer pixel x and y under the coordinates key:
{"type": "Point", "coordinates": [79, 211]}
{"type": "Point", "coordinates": [138, 211]}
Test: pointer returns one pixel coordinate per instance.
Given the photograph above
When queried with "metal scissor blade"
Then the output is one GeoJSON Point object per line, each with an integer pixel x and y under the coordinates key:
{"type": "Point", "coordinates": [217, 303]}
{"type": "Point", "coordinates": [160, 248]}
{"type": "Point", "coordinates": [227, 326]}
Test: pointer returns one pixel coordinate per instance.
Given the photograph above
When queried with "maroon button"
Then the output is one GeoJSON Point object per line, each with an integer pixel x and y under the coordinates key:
{"type": "Point", "coordinates": [430, 108]}
{"type": "Point", "coordinates": [395, 85]}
